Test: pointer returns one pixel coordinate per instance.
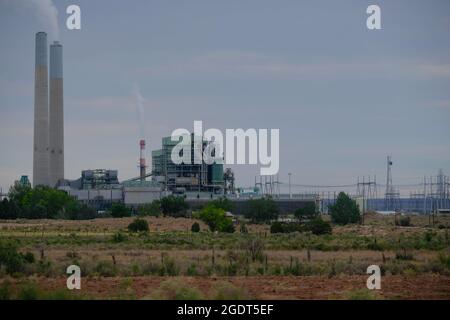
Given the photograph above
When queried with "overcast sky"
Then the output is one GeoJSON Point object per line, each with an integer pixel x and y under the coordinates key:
{"type": "Point", "coordinates": [342, 96]}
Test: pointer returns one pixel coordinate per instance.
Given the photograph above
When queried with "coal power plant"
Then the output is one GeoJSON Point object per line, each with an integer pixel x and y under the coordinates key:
{"type": "Point", "coordinates": [48, 152]}
{"type": "Point", "coordinates": [100, 188]}
{"type": "Point", "coordinates": [197, 183]}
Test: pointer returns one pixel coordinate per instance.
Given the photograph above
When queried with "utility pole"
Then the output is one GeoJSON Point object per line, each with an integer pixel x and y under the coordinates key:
{"type": "Point", "coordinates": [290, 193]}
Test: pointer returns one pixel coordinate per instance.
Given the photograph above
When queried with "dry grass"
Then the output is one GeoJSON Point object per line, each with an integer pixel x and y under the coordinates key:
{"type": "Point", "coordinates": [131, 261]}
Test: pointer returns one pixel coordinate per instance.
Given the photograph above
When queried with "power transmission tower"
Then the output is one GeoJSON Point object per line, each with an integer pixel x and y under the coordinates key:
{"type": "Point", "coordinates": [391, 196]}
{"type": "Point", "coordinates": [367, 190]}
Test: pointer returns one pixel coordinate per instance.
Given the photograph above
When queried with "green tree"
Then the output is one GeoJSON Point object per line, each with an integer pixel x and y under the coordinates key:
{"type": "Point", "coordinates": [8, 209]}
{"type": "Point", "coordinates": [345, 210]}
{"type": "Point", "coordinates": [17, 192]}
{"type": "Point", "coordinates": [150, 209]}
{"type": "Point", "coordinates": [223, 203]}
{"type": "Point", "coordinates": [119, 210]}
{"type": "Point", "coordinates": [78, 211]}
{"type": "Point", "coordinates": [174, 206]}
{"type": "Point", "coordinates": [261, 210]}
{"type": "Point", "coordinates": [216, 219]}
{"type": "Point", "coordinates": [307, 212]}
{"type": "Point", "coordinates": [42, 202]}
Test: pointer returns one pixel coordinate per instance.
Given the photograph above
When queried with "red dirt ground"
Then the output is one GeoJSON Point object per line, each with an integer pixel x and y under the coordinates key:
{"type": "Point", "coordinates": [272, 287]}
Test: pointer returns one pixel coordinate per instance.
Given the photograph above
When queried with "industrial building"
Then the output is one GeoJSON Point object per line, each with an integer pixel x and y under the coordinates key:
{"type": "Point", "coordinates": [94, 179]}
{"type": "Point", "coordinates": [101, 187]}
{"type": "Point", "coordinates": [98, 188]}
{"type": "Point", "coordinates": [184, 177]}
{"type": "Point", "coordinates": [99, 179]}
{"type": "Point", "coordinates": [136, 193]}
{"type": "Point", "coordinates": [48, 146]}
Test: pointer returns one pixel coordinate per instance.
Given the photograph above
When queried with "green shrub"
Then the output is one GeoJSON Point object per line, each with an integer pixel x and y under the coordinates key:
{"type": "Point", "coordinates": [192, 270]}
{"type": "Point", "coordinates": [278, 227]}
{"type": "Point", "coordinates": [169, 267]}
{"type": "Point", "coordinates": [404, 255]}
{"type": "Point", "coordinates": [151, 268]}
{"type": "Point", "coordinates": [195, 227]}
{"type": "Point", "coordinates": [444, 259]}
{"type": "Point", "coordinates": [152, 209]}
{"type": "Point", "coordinates": [375, 246]}
{"type": "Point", "coordinates": [428, 236]}
{"type": "Point", "coordinates": [216, 219]}
{"type": "Point", "coordinates": [317, 226]}
{"type": "Point", "coordinates": [403, 221]}
{"type": "Point", "coordinates": [105, 269]}
{"type": "Point", "coordinates": [59, 294]}
{"type": "Point", "coordinates": [31, 291]}
{"type": "Point", "coordinates": [227, 291]}
{"type": "Point", "coordinates": [138, 225]}
{"type": "Point", "coordinates": [226, 225]}
{"type": "Point", "coordinates": [119, 237]}
{"type": "Point", "coordinates": [28, 291]}
{"type": "Point", "coordinates": [119, 210]}
{"type": "Point", "coordinates": [78, 211]}
{"type": "Point", "coordinates": [44, 267]}
{"type": "Point", "coordinates": [223, 203]}
{"type": "Point", "coordinates": [29, 257]}
{"type": "Point", "coordinates": [261, 210]}
{"type": "Point", "coordinates": [10, 258]}
{"type": "Point", "coordinates": [6, 292]}
{"type": "Point", "coordinates": [254, 248]}
{"type": "Point", "coordinates": [175, 289]}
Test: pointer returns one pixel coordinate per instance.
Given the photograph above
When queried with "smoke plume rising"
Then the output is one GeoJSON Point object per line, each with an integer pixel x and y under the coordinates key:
{"type": "Point", "coordinates": [44, 11]}
{"type": "Point", "coordinates": [139, 103]}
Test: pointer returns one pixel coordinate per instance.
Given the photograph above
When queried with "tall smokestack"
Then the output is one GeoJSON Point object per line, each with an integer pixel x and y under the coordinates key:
{"type": "Point", "coordinates": [41, 138]}
{"type": "Point", "coordinates": [56, 137]}
{"type": "Point", "coordinates": [142, 160]}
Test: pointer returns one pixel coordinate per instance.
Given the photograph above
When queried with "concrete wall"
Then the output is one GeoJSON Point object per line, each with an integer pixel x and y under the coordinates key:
{"type": "Point", "coordinates": [138, 196]}
{"type": "Point", "coordinates": [112, 195]}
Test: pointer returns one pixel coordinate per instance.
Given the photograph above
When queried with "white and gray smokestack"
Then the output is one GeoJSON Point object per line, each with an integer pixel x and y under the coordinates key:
{"type": "Point", "coordinates": [41, 138]}
{"type": "Point", "coordinates": [56, 137]}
